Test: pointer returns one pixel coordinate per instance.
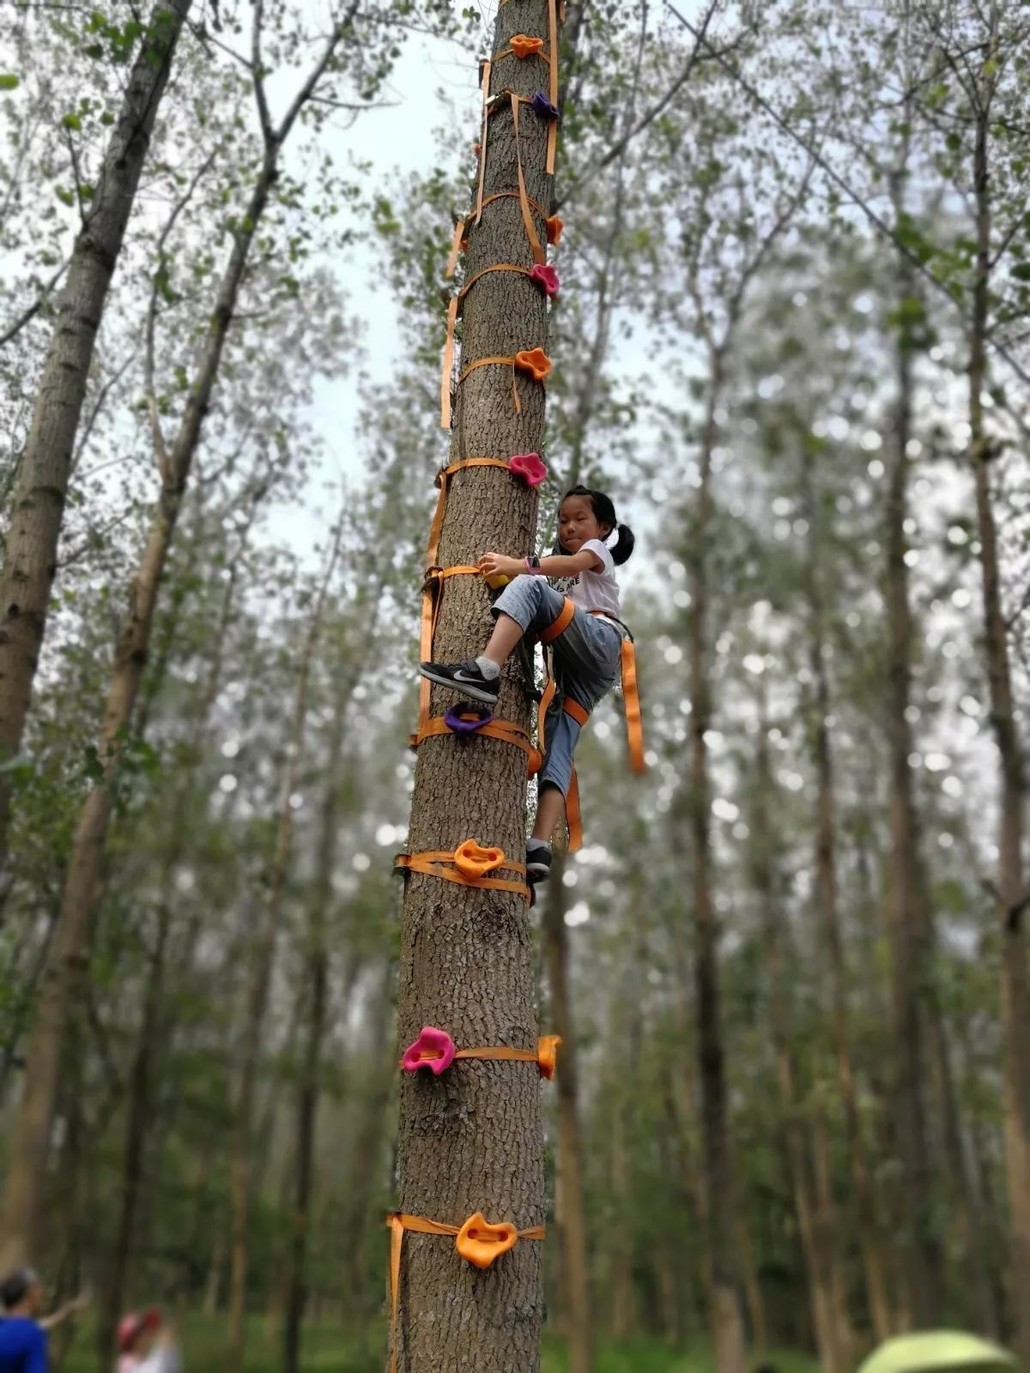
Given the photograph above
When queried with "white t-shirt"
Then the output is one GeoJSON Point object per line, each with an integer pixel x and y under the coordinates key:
{"type": "Point", "coordinates": [597, 590]}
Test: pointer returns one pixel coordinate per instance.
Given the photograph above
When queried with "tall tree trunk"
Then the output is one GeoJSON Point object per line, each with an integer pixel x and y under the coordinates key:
{"type": "Point", "coordinates": [137, 1124]}
{"type": "Point", "coordinates": [153, 1033]}
{"type": "Point", "coordinates": [474, 1141]}
{"type": "Point", "coordinates": [261, 979]}
{"type": "Point", "coordinates": [870, 1234]}
{"type": "Point", "coordinates": [83, 885]}
{"type": "Point", "coordinates": [832, 1354]}
{"type": "Point", "coordinates": [369, 1136]}
{"type": "Point", "coordinates": [37, 507]}
{"type": "Point", "coordinates": [726, 1316]}
{"type": "Point", "coordinates": [571, 1215]}
{"type": "Point", "coordinates": [316, 978]}
{"type": "Point", "coordinates": [1012, 896]}
{"type": "Point", "coordinates": [920, 1259]}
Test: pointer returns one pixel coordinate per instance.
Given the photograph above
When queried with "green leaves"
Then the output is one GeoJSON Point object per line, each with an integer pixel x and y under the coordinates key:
{"type": "Point", "coordinates": [9, 82]}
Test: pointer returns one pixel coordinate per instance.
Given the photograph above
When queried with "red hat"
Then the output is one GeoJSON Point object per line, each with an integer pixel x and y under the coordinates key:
{"type": "Point", "coordinates": [130, 1327]}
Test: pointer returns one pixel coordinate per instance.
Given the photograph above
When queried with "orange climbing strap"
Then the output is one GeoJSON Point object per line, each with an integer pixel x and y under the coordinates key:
{"type": "Point", "coordinates": [435, 1049]}
{"type": "Point", "coordinates": [453, 309]}
{"type": "Point", "coordinates": [533, 361]}
{"type": "Point", "coordinates": [470, 865]}
{"type": "Point", "coordinates": [631, 698]}
{"type": "Point", "coordinates": [504, 730]}
{"type": "Point", "coordinates": [477, 1242]}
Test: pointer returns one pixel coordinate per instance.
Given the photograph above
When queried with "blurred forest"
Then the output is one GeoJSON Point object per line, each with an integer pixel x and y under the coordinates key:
{"type": "Point", "coordinates": [792, 342]}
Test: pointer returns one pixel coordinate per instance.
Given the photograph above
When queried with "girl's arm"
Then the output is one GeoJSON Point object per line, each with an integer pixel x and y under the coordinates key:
{"type": "Point", "coordinates": [554, 565]}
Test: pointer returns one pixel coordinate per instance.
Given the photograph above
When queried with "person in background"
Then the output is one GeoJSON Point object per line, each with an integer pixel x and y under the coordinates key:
{"type": "Point", "coordinates": [146, 1344]}
{"type": "Point", "coordinates": [23, 1341]}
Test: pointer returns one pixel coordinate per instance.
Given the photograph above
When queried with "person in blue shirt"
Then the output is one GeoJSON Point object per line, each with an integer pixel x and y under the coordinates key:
{"type": "Point", "coordinates": [23, 1341]}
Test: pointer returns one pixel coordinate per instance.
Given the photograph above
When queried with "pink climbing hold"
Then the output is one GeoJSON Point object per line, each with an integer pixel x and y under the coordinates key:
{"type": "Point", "coordinates": [546, 278]}
{"type": "Point", "coordinates": [529, 466]}
{"type": "Point", "coordinates": [434, 1049]}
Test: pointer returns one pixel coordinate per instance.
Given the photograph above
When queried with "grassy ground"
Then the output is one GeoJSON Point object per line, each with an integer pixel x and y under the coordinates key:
{"type": "Point", "coordinates": [330, 1349]}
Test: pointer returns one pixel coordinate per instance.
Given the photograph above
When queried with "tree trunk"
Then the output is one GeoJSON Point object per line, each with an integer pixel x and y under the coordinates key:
{"type": "Point", "coordinates": [870, 1235]}
{"type": "Point", "coordinates": [832, 1357]}
{"type": "Point", "coordinates": [472, 1141]}
{"type": "Point", "coordinates": [261, 978]}
{"type": "Point", "coordinates": [920, 1258]}
{"type": "Point", "coordinates": [316, 978]}
{"type": "Point", "coordinates": [136, 1129]}
{"type": "Point", "coordinates": [571, 1216]}
{"type": "Point", "coordinates": [69, 951]}
{"type": "Point", "coordinates": [358, 1195]}
{"type": "Point", "coordinates": [1011, 893]}
{"type": "Point", "coordinates": [37, 507]}
{"type": "Point", "coordinates": [726, 1317]}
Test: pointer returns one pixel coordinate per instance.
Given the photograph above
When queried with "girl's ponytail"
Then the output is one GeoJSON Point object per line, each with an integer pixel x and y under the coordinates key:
{"type": "Point", "coordinates": [623, 545]}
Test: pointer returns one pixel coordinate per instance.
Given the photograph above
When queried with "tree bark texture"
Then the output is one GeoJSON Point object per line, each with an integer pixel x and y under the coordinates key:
{"type": "Point", "coordinates": [471, 1140]}
{"type": "Point", "coordinates": [37, 506]}
{"type": "Point", "coordinates": [571, 1213]}
{"type": "Point", "coordinates": [726, 1316]}
{"type": "Point", "coordinates": [69, 951]}
{"type": "Point", "coordinates": [1012, 895]}
{"type": "Point", "coordinates": [867, 1209]}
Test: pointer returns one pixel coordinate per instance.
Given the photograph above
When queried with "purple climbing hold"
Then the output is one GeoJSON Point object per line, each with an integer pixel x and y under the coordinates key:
{"type": "Point", "coordinates": [543, 107]}
{"type": "Point", "coordinates": [466, 717]}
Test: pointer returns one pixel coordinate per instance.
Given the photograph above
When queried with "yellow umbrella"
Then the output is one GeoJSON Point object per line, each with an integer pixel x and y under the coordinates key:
{"type": "Point", "coordinates": [939, 1351]}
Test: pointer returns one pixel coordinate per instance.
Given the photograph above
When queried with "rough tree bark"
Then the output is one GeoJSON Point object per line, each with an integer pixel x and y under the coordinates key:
{"type": "Point", "coordinates": [37, 506]}
{"type": "Point", "coordinates": [1011, 891]}
{"type": "Point", "coordinates": [471, 1140]}
{"type": "Point", "coordinates": [261, 978]}
{"type": "Point", "coordinates": [68, 954]}
{"type": "Point", "coordinates": [870, 1236]}
{"type": "Point", "coordinates": [571, 1217]}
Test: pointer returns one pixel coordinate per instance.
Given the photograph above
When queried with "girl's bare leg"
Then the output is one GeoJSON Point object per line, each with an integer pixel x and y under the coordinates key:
{"type": "Point", "coordinates": [550, 808]}
{"type": "Point", "coordinates": [507, 633]}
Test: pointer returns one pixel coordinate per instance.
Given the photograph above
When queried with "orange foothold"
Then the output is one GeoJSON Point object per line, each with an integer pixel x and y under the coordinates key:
{"type": "Point", "coordinates": [524, 46]}
{"type": "Point", "coordinates": [554, 227]}
{"type": "Point", "coordinates": [479, 1242]}
{"type": "Point", "coordinates": [472, 860]}
{"type": "Point", "coordinates": [534, 361]}
{"type": "Point", "coordinates": [547, 1047]}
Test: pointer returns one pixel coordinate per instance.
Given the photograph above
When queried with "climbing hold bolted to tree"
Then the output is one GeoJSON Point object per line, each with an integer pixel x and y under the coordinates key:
{"type": "Point", "coordinates": [466, 717]}
{"type": "Point", "coordinates": [545, 108]}
{"type": "Point", "coordinates": [546, 278]}
{"type": "Point", "coordinates": [480, 1243]}
{"type": "Point", "coordinates": [529, 466]}
{"type": "Point", "coordinates": [473, 860]}
{"type": "Point", "coordinates": [434, 1049]}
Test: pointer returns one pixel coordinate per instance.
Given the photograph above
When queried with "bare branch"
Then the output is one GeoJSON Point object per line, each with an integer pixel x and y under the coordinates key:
{"type": "Point", "coordinates": [652, 114]}
{"type": "Point", "coordinates": [31, 311]}
{"type": "Point", "coordinates": [875, 219]}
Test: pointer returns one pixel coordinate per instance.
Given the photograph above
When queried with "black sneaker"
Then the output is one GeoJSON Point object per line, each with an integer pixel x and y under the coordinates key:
{"type": "Point", "coordinates": [464, 677]}
{"type": "Point", "coordinates": [538, 863]}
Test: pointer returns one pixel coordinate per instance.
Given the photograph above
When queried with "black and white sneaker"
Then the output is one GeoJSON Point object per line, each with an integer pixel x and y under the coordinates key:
{"type": "Point", "coordinates": [538, 861]}
{"type": "Point", "coordinates": [468, 678]}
